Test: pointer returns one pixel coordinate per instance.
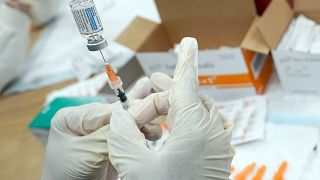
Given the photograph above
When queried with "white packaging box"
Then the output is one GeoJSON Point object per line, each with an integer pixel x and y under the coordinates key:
{"type": "Point", "coordinates": [223, 72]}
{"type": "Point", "coordinates": [299, 72]}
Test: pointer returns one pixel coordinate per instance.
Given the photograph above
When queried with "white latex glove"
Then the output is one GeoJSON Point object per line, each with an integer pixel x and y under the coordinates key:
{"type": "Point", "coordinates": [40, 11]}
{"type": "Point", "coordinates": [14, 43]}
{"type": "Point", "coordinates": [77, 145]}
{"type": "Point", "coordinates": [199, 143]}
{"type": "Point", "coordinates": [43, 11]}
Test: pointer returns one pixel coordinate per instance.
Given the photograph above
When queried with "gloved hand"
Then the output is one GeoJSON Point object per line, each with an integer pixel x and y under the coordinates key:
{"type": "Point", "coordinates": [77, 145]}
{"type": "Point", "coordinates": [40, 11]}
{"type": "Point", "coordinates": [43, 11]}
{"type": "Point", "coordinates": [14, 43]}
{"type": "Point", "coordinates": [199, 143]}
{"type": "Point", "coordinates": [15, 25]}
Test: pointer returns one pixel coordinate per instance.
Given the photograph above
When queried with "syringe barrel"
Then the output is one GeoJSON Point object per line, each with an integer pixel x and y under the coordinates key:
{"type": "Point", "coordinates": [123, 97]}
{"type": "Point", "coordinates": [89, 24]}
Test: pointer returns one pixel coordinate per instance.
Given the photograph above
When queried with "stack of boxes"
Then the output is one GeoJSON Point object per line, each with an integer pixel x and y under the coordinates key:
{"type": "Point", "coordinates": [298, 71]}
{"type": "Point", "coordinates": [234, 58]}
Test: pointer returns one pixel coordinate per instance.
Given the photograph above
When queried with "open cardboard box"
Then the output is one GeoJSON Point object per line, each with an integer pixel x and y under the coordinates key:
{"type": "Point", "coordinates": [224, 72]}
{"type": "Point", "coordinates": [298, 71]}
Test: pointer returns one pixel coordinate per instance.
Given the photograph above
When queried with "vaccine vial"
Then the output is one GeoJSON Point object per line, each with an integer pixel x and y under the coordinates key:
{"type": "Point", "coordinates": [88, 21]}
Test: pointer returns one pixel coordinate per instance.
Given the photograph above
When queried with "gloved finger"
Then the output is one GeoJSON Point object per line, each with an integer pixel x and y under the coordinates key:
{"type": "Point", "coordinates": [160, 82]}
{"type": "Point", "coordinates": [112, 173]}
{"type": "Point", "coordinates": [209, 104]}
{"type": "Point", "coordinates": [148, 109]}
{"type": "Point", "coordinates": [126, 143]}
{"type": "Point", "coordinates": [91, 148]}
{"type": "Point", "coordinates": [44, 11]}
{"type": "Point", "coordinates": [141, 89]}
{"type": "Point", "coordinates": [185, 87]}
{"type": "Point", "coordinates": [227, 124]}
{"type": "Point", "coordinates": [184, 97]}
{"type": "Point", "coordinates": [82, 120]}
{"type": "Point", "coordinates": [153, 130]}
{"type": "Point", "coordinates": [95, 144]}
{"type": "Point", "coordinates": [185, 78]}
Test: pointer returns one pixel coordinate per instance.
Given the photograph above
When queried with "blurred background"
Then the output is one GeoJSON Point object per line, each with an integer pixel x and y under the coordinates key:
{"type": "Point", "coordinates": [258, 59]}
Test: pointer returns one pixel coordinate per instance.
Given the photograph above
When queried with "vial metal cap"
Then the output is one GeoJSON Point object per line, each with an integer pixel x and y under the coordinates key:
{"type": "Point", "coordinates": [97, 45]}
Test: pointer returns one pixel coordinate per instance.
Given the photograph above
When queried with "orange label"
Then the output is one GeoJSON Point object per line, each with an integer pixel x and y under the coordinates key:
{"type": "Point", "coordinates": [225, 80]}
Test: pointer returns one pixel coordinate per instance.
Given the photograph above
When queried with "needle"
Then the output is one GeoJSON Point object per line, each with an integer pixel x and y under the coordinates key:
{"type": "Point", "coordinates": [103, 57]}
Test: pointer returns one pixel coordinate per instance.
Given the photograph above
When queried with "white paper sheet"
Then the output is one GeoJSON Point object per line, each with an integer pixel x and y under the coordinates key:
{"type": "Point", "coordinates": [289, 143]}
{"type": "Point", "coordinates": [291, 108]}
{"type": "Point", "coordinates": [301, 36]}
{"type": "Point", "coordinates": [248, 117]}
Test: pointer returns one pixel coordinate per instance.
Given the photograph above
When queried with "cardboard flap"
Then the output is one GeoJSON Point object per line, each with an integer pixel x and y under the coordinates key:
{"type": "Point", "coordinates": [254, 40]}
{"type": "Point", "coordinates": [275, 21]}
{"type": "Point", "coordinates": [303, 5]}
{"type": "Point", "coordinates": [144, 35]}
{"type": "Point", "coordinates": [212, 22]}
{"type": "Point", "coordinates": [309, 8]}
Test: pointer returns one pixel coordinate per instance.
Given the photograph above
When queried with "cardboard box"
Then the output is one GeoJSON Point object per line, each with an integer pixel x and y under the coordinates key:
{"type": "Point", "coordinates": [224, 73]}
{"type": "Point", "coordinates": [298, 71]}
{"type": "Point", "coordinates": [263, 4]}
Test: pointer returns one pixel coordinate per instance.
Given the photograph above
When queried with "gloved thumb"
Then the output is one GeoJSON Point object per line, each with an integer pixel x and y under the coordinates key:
{"type": "Point", "coordinates": [126, 143]}
{"type": "Point", "coordinates": [185, 87]}
{"type": "Point", "coordinates": [82, 120]}
{"type": "Point", "coordinates": [124, 128]}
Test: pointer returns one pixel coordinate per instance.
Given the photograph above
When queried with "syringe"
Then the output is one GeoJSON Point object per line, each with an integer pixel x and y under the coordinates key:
{"type": "Point", "coordinates": [90, 27]}
{"type": "Point", "coordinates": [115, 84]}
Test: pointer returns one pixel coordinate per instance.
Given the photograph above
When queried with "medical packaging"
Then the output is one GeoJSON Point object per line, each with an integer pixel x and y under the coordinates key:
{"type": "Point", "coordinates": [293, 36]}
{"type": "Point", "coordinates": [300, 36]}
{"type": "Point", "coordinates": [315, 46]}
{"type": "Point", "coordinates": [234, 58]}
{"type": "Point", "coordinates": [40, 125]}
{"type": "Point", "coordinates": [248, 117]}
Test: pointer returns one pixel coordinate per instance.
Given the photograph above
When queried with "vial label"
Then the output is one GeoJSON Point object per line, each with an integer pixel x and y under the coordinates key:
{"type": "Point", "coordinates": [87, 20]}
